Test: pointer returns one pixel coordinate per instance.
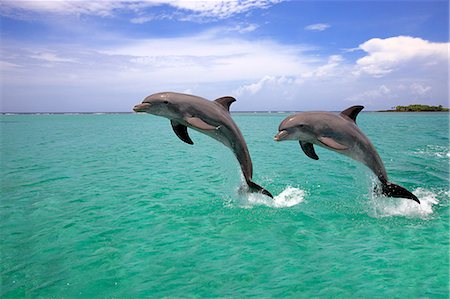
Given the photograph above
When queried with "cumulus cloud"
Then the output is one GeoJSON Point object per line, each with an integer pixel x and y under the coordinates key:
{"type": "Point", "coordinates": [317, 27]}
{"type": "Point", "coordinates": [394, 78]}
{"type": "Point", "coordinates": [264, 74]}
{"type": "Point", "coordinates": [388, 55]}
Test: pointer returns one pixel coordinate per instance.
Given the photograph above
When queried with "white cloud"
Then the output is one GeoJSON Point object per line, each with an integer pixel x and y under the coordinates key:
{"type": "Point", "coordinates": [312, 71]}
{"type": "Point", "coordinates": [245, 28]}
{"type": "Point", "coordinates": [420, 89]}
{"type": "Point", "coordinates": [378, 94]}
{"type": "Point", "coordinates": [332, 68]}
{"type": "Point", "coordinates": [51, 57]}
{"type": "Point", "coordinates": [142, 20]}
{"type": "Point", "coordinates": [417, 77]}
{"type": "Point", "coordinates": [393, 93]}
{"type": "Point", "coordinates": [221, 9]}
{"type": "Point", "coordinates": [265, 82]}
{"type": "Point", "coordinates": [66, 7]}
{"type": "Point", "coordinates": [211, 57]}
{"type": "Point", "coordinates": [209, 64]}
{"type": "Point", "coordinates": [197, 9]}
{"type": "Point", "coordinates": [8, 66]}
{"type": "Point", "coordinates": [263, 74]}
{"type": "Point", "coordinates": [152, 17]}
{"type": "Point", "coordinates": [317, 27]}
{"type": "Point", "coordinates": [391, 54]}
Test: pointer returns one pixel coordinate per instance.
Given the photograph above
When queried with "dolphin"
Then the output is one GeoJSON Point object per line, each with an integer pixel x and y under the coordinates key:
{"type": "Point", "coordinates": [339, 133]}
{"type": "Point", "coordinates": [211, 118]}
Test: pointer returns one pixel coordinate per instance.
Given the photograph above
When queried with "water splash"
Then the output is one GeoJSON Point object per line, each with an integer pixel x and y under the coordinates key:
{"type": "Point", "coordinates": [289, 197]}
{"type": "Point", "coordinates": [388, 207]}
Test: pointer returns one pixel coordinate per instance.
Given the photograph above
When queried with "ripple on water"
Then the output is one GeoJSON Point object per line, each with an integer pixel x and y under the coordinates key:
{"type": "Point", "coordinates": [434, 151]}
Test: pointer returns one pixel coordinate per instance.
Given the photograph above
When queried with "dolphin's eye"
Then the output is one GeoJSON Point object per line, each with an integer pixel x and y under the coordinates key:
{"type": "Point", "coordinates": [166, 102]}
{"type": "Point", "coordinates": [301, 125]}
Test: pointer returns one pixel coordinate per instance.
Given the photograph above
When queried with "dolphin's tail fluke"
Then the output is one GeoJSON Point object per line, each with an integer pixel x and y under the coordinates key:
{"type": "Point", "coordinates": [393, 190]}
{"type": "Point", "coordinates": [253, 187]}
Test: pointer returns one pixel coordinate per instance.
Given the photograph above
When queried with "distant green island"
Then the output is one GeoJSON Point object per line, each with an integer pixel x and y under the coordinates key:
{"type": "Point", "coordinates": [418, 108]}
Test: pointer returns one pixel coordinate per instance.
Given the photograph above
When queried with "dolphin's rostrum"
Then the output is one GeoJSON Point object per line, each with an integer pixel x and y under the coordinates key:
{"type": "Point", "coordinates": [339, 133]}
{"type": "Point", "coordinates": [208, 117]}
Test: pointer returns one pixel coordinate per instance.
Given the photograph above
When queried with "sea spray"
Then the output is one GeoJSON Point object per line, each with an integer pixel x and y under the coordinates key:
{"type": "Point", "coordinates": [289, 197]}
{"type": "Point", "coordinates": [388, 207]}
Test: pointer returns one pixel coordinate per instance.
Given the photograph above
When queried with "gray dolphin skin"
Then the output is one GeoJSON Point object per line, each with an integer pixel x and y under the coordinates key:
{"type": "Point", "coordinates": [339, 133]}
{"type": "Point", "coordinates": [211, 118]}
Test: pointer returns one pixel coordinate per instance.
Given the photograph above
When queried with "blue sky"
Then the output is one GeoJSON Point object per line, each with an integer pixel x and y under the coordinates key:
{"type": "Point", "coordinates": [91, 56]}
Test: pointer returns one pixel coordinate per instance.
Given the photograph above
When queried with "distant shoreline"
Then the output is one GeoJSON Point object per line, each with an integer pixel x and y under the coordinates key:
{"type": "Point", "coordinates": [397, 111]}
{"type": "Point", "coordinates": [417, 108]}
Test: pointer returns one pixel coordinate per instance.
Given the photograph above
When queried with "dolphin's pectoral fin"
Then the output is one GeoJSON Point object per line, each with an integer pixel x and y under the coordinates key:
{"type": "Point", "coordinates": [308, 149]}
{"type": "Point", "coordinates": [199, 124]}
{"type": "Point", "coordinates": [181, 132]}
{"type": "Point", "coordinates": [352, 112]}
{"type": "Point", "coordinates": [225, 102]}
{"type": "Point", "coordinates": [330, 142]}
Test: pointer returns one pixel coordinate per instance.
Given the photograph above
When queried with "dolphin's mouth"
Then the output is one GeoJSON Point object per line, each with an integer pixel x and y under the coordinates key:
{"type": "Point", "coordinates": [281, 135]}
{"type": "Point", "coordinates": [141, 107]}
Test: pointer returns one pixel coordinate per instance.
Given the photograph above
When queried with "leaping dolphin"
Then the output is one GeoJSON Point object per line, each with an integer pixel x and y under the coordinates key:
{"type": "Point", "coordinates": [211, 118]}
{"type": "Point", "coordinates": [339, 133]}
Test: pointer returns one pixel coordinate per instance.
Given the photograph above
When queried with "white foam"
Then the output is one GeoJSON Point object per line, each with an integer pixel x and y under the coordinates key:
{"type": "Point", "coordinates": [289, 197]}
{"type": "Point", "coordinates": [388, 207]}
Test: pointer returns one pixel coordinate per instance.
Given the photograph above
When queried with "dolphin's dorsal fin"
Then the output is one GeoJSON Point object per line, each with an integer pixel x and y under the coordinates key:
{"type": "Point", "coordinates": [352, 112]}
{"type": "Point", "coordinates": [225, 102]}
{"type": "Point", "coordinates": [181, 132]}
{"type": "Point", "coordinates": [198, 123]}
{"type": "Point", "coordinates": [308, 149]}
{"type": "Point", "coordinates": [331, 143]}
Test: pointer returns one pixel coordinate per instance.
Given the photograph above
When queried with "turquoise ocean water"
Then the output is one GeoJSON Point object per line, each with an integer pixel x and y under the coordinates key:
{"type": "Point", "coordinates": [116, 206]}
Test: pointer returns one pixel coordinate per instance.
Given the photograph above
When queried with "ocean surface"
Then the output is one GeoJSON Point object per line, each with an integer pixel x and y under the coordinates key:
{"type": "Point", "coordinates": [116, 206]}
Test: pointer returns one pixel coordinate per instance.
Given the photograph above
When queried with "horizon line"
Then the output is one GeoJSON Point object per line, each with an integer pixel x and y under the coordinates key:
{"type": "Point", "coordinates": [240, 111]}
{"type": "Point", "coordinates": [125, 112]}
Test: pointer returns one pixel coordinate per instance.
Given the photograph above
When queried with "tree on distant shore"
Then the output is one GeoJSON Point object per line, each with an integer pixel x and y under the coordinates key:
{"type": "Point", "coordinates": [419, 107]}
